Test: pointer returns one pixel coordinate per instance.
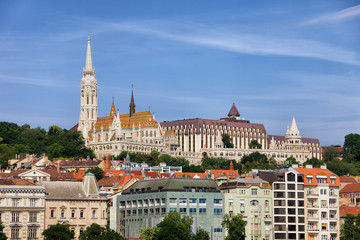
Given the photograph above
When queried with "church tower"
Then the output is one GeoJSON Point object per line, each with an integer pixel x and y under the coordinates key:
{"type": "Point", "coordinates": [132, 103]}
{"type": "Point", "coordinates": [88, 97]}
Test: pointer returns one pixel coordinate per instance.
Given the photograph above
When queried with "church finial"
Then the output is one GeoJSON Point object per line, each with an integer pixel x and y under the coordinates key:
{"type": "Point", "coordinates": [112, 111]}
{"type": "Point", "coordinates": [132, 102]}
{"type": "Point", "coordinates": [88, 64]}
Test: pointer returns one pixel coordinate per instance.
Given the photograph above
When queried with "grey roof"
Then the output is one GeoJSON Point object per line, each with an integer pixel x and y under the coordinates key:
{"type": "Point", "coordinates": [171, 184]}
{"type": "Point", "coordinates": [64, 190]}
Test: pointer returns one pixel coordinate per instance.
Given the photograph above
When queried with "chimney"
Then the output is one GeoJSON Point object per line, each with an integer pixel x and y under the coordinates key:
{"type": "Point", "coordinates": [308, 166]}
{"type": "Point", "coordinates": [323, 166]}
{"type": "Point", "coordinates": [107, 162]}
{"type": "Point", "coordinates": [58, 165]}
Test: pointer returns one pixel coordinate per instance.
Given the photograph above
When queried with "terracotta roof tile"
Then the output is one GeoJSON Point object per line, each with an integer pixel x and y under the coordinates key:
{"type": "Point", "coordinates": [318, 172]}
{"type": "Point", "coordinates": [17, 181]}
{"type": "Point", "coordinates": [109, 181]}
{"type": "Point", "coordinates": [349, 210]}
{"type": "Point", "coordinates": [355, 187]}
{"type": "Point", "coordinates": [344, 179]}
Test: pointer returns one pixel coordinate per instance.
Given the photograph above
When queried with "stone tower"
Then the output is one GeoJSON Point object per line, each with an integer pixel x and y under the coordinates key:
{"type": "Point", "coordinates": [88, 95]}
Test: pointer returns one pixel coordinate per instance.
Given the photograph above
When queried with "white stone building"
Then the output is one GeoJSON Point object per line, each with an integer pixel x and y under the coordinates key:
{"type": "Point", "coordinates": [189, 138]}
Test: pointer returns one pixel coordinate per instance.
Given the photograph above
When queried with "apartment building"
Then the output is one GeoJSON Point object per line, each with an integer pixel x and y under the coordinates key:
{"type": "Point", "coordinates": [321, 203]}
{"type": "Point", "coordinates": [147, 202]}
{"type": "Point", "coordinates": [252, 198]}
{"type": "Point", "coordinates": [288, 203]}
{"type": "Point", "coordinates": [22, 209]}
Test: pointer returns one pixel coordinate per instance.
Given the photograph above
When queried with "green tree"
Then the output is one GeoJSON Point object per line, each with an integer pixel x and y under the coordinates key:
{"type": "Point", "coordinates": [174, 227]}
{"type": "Point", "coordinates": [330, 154]}
{"type": "Point", "coordinates": [98, 172]}
{"type": "Point", "coordinates": [149, 233]}
{"type": "Point", "coordinates": [96, 232]}
{"type": "Point", "coordinates": [316, 163]}
{"type": "Point", "coordinates": [201, 234]}
{"type": "Point", "coordinates": [351, 227]}
{"type": "Point", "coordinates": [352, 147]}
{"type": "Point", "coordinates": [235, 227]}
{"type": "Point", "coordinates": [257, 160]}
{"type": "Point", "coordinates": [290, 161]}
{"type": "Point", "coordinates": [56, 150]}
{"type": "Point", "coordinates": [2, 234]}
{"type": "Point", "coordinates": [254, 144]}
{"type": "Point", "coordinates": [227, 141]}
{"type": "Point", "coordinates": [58, 232]}
{"type": "Point", "coordinates": [54, 130]}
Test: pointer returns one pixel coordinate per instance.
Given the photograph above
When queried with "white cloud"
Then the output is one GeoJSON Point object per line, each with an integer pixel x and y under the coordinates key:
{"type": "Point", "coordinates": [343, 15]}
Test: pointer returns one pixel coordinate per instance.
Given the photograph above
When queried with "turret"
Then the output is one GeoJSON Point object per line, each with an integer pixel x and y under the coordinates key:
{"type": "Point", "coordinates": [132, 103]}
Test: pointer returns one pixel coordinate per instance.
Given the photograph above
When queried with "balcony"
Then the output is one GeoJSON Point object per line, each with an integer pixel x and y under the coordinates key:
{"type": "Point", "coordinates": [313, 230]}
{"type": "Point", "coordinates": [312, 206]}
{"type": "Point", "coordinates": [332, 196]}
{"type": "Point", "coordinates": [313, 218]}
{"type": "Point", "coordinates": [313, 195]}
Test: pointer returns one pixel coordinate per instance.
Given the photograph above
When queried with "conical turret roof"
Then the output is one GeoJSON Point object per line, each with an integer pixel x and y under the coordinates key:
{"type": "Point", "coordinates": [233, 111]}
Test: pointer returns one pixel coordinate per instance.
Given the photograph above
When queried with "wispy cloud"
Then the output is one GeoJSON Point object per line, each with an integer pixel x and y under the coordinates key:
{"type": "Point", "coordinates": [227, 39]}
{"type": "Point", "coordinates": [343, 15]}
{"type": "Point", "coordinates": [33, 81]}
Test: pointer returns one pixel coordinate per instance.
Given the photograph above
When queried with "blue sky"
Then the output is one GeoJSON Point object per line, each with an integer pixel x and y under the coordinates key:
{"type": "Point", "coordinates": [186, 59]}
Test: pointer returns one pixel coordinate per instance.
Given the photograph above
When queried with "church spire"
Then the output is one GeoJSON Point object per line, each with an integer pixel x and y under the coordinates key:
{"type": "Point", "coordinates": [132, 102]}
{"type": "Point", "coordinates": [88, 64]}
{"type": "Point", "coordinates": [112, 111]}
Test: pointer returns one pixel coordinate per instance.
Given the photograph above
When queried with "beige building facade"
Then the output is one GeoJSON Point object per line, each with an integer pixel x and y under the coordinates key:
{"type": "Point", "coordinates": [76, 204]}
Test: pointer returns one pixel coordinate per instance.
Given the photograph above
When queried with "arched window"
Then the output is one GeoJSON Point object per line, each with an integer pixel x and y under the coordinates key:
{"type": "Point", "coordinates": [94, 213]}
{"type": "Point", "coordinates": [52, 213]}
{"type": "Point", "coordinates": [254, 202]}
{"type": "Point", "coordinates": [266, 203]}
{"type": "Point", "coordinates": [62, 213]}
{"type": "Point", "coordinates": [81, 230]}
{"type": "Point", "coordinates": [73, 214]}
{"type": "Point", "coordinates": [82, 214]}
{"type": "Point", "coordinates": [92, 99]}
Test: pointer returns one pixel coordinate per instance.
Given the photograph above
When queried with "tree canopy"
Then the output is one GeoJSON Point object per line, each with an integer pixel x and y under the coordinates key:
{"type": "Point", "coordinates": [56, 143]}
{"type": "Point", "coordinates": [98, 172]}
{"type": "Point", "coordinates": [351, 227]}
{"type": "Point", "coordinates": [257, 160]}
{"type": "Point", "coordinates": [330, 154]}
{"type": "Point", "coordinates": [58, 232]}
{"type": "Point", "coordinates": [235, 227]}
{"type": "Point", "coordinates": [316, 163]}
{"type": "Point", "coordinates": [2, 234]}
{"type": "Point", "coordinates": [227, 141]}
{"type": "Point", "coordinates": [352, 147]}
{"type": "Point", "coordinates": [96, 232]}
{"type": "Point", "coordinates": [254, 144]}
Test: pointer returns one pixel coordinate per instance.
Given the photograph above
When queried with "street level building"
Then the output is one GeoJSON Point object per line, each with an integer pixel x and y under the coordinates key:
{"type": "Point", "coordinates": [147, 202]}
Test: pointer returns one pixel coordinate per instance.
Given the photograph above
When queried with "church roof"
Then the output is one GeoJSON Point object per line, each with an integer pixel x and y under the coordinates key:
{"type": "Point", "coordinates": [233, 111]}
{"type": "Point", "coordinates": [144, 119]}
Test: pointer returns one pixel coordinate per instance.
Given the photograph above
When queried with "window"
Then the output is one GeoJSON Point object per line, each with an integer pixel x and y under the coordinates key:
{"type": "Point", "coordinates": [254, 191]}
{"type": "Point", "coordinates": [182, 210]}
{"type": "Point", "coordinates": [72, 213]}
{"type": "Point", "coordinates": [186, 189]}
{"type": "Point", "coordinates": [81, 213]}
{"type": "Point", "coordinates": [182, 200]}
{"type": "Point", "coordinates": [15, 217]}
{"type": "Point", "coordinates": [321, 180]}
{"type": "Point", "coordinates": [173, 200]}
{"type": "Point", "coordinates": [94, 213]}
{"type": "Point", "coordinates": [309, 180]}
{"type": "Point", "coordinates": [217, 211]}
{"type": "Point", "coordinates": [332, 181]}
{"type": "Point", "coordinates": [331, 192]}
{"type": "Point", "coordinates": [266, 203]}
{"type": "Point", "coordinates": [15, 202]}
{"type": "Point", "coordinates": [32, 232]}
{"type": "Point", "coordinates": [192, 200]}
{"type": "Point", "coordinates": [192, 210]}
{"type": "Point", "coordinates": [15, 233]}
{"type": "Point", "coordinates": [33, 202]}
{"type": "Point", "coordinates": [172, 209]}
{"type": "Point", "coordinates": [52, 213]}
{"type": "Point", "coordinates": [217, 201]}
{"type": "Point", "coordinates": [81, 230]}
{"type": "Point", "coordinates": [322, 191]}
{"type": "Point", "coordinates": [242, 202]}
{"type": "Point", "coordinates": [202, 210]}
{"type": "Point", "coordinates": [62, 214]}
{"type": "Point", "coordinates": [217, 229]}
{"type": "Point", "coordinates": [254, 202]}
{"type": "Point", "coordinates": [33, 217]}
{"type": "Point", "coordinates": [202, 200]}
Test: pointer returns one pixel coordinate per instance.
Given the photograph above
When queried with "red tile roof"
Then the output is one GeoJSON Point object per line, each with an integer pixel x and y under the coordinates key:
{"type": "Point", "coordinates": [349, 210]}
{"type": "Point", "coordinates": [347, 179]}
{"type": "Point", "coordinates": [109, 181]}
{"type": "Point", "coordinates": [349, 188]}
{"type": "Point", "coordinates": [318, 172]}
{"type": "Point", "coordinates": [17, 181]}
{"type": "Point", "coordinates": [223, 173]}
{"type": "Point", "coordinates": [81, 163]}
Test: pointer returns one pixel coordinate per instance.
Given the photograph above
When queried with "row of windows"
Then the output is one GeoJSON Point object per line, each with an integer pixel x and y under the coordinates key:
{"type": "Point", "coordinates": [17, 202]}
{"type": "Point", "coordinates": [146, 202]}
{"type": "Point", "coordinates": [73, 213]}
{"type": "Point", "coordinates": [15, 216]}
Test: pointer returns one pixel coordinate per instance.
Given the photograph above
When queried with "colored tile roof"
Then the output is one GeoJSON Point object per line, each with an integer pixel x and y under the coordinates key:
{"type": "Point", "coordinates": [349, 188]}
{"type": "Point", "coordinates": [109, 181]}
{"type": "Point", "coordinates": [114, 172]}
{"type": "Point", "coordinates": [347, 179]}
{"type": "Point", "coordinates": [233, 111]}
{"type": "Point", "coordinates": [144, 119]}
{"type": "Point", "coordinates": [304, 140]}
{"type": "Point", "coordinates": [54, 174]}
{"type": "Point", "coordinates": [17, 181]}
{"type": "Point", "coordinates": [199, 124]}
{"type": "Point", "coordinates": [4, 175]}
{"type": "Point", "coordinates": [349, 210]}
{"type": "Point", "coordinates": [318, 172]}
{"type": "Point", "coordinates": [79, 175]}
{"type": "Point", "coordinates": [74, 128]}
{"type": "Point", "coordinates": [222, 173]}
{"type": "Point", "coordinates": [190, 174]}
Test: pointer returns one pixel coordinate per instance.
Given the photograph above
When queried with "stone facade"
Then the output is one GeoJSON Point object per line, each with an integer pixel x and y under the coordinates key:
{"type": "Point", "coordinates": [252, 198]}
{"type": "Point", "coordinates": [189, 138]}
{"type": "Point", "coordinates": [76, 204]}
{"type": "Point", "coordinates": [22, 211]}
